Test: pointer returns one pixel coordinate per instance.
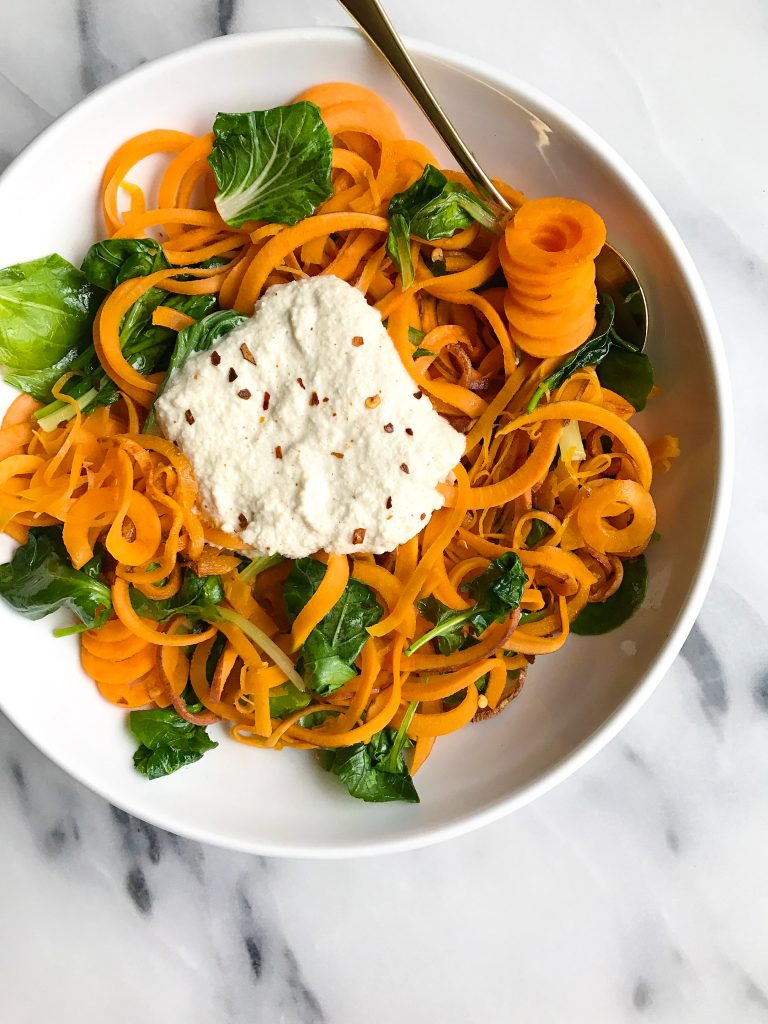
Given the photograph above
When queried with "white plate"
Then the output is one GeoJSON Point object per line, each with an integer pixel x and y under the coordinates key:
{"type": "Point", "coordinates": [573, 702]}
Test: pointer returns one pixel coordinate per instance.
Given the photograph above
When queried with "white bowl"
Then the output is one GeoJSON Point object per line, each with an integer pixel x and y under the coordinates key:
{"type": "Point", "coordinates": [573, 702]}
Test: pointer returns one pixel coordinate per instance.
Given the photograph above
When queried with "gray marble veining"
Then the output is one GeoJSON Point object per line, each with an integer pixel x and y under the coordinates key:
{"type": "Point", "coordinates": [635, 891]}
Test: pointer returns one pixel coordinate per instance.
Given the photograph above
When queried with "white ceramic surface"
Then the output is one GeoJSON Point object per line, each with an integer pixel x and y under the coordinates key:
{"type": "Point", "coordinates": [573, 702]}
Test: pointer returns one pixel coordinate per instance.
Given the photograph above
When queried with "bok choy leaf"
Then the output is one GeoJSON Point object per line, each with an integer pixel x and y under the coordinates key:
{"type": "Point", "coordinates": [271, 165]}
{"type": "Point", "coordinates": [432, 207]}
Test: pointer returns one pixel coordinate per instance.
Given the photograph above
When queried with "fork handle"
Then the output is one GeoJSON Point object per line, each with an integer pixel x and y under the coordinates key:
{"type": "Point", "coordinates": [374, 22]}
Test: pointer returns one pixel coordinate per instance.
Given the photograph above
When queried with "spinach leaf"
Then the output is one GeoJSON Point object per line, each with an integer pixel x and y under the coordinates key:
{"type": "Point", "coordinates": [198, 594]}
{"type": "Point", "coordinates": [606, 615]}
{"type": "Point", "coordinates": [39, 579]}
{"type": "Point", "coordinates": [167, 741]}
{"type": "Point", "coordinates": [204, 334]}
{"type": "Point", "coordinates": [591, 353]}
{"type": "Point", "coordinates": [620, 365]}
{"type": "Point", "coordinates": [198, 337]}
{"type": "Point", "coordinates": [376, 771]}
{"type": "Point", "coordinates": [538, 531]}
{"type": "Point", "coordinates": [107, 264]}
{"type": "Point", "coordinates": [329, 652]}
{"type": "Point", "coordinates": [146, 346]}
{"type": "Point", "coordinates": [46, 310]}
{"type": "Point", "coordinates": [629, 374]}
{"type": "Point", "coordinates": [497, 592]}
{"type": "Point", "coordinates": [271, 165]}
{"type": "Point", "coordinates": [449, 622]}
{"type": "Point", "coordinates": [432, 207]}
{"type": "Point", "coordinates": [287, 698]}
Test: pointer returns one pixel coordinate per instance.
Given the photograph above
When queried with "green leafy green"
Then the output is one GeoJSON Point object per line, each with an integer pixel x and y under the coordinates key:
{"type": "Point", "coordinates": [449, 622]}
{"type": "Point", "coordinates": [620, 364]}
{"type": "Point", "coordinates": [167, 741]}
{"type": "Point", "coordinates": [287, 698]}
{"type": "Point", "coordinates": [46, 310]}
{"type": "Point", "coordinates": [432, 207]}
{"type": "Point", "coordinates": [422, 352]}
{"type": "Point", "coordinates": [329, 652]}
{"type": "Point", "coordinates": [537, 532]}
{"type": "Point", "coordinates": [271, 165]}
{"type": "Point", "coordinates": [39, 579]}
{"type": "Point", "coordinates": [629, 374]}
{"type": "Point", "coordinates": [497, 592]}
{"type": "Point", "coordinates": [198, 595]}
{"type": "Point", "coordinates": [107, 264]}
{"type": "Point", "coordinates": [198, 337]}
{"type": "Point", "coordinates": [375, 771]}
{"type": "Point", "coordinates": [604, 616]}
{"type": "Point", "coordinates": [204, 334]}
{"type": "Point", "coordinates": [145, 345]}
{"type": "Point", "coordinates": [591, 353]}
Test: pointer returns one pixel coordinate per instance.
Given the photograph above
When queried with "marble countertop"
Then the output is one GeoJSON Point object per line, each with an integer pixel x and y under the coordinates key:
{"type": "Point", "coordinates": [635, 890]}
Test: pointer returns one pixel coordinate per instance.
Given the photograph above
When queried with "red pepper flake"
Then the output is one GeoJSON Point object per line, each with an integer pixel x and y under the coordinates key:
{"type": "Point", "coordinates": [417, 394]}
{"type": "Point", "coordinates": [189, 417]}
{"type": "Point", "coordinates": [388, 428]}
{"type": "Point", "coordinates": [325, 399]}
{"type": "Point", "coordinates": [409, 432]}
{"type": "Point", "coordinates": [389, 502]}
{"type": "Point", "coordinates": [265, 403]}
{"type": "Point", "coordinates": [247, 354]}
{"type": "Point", "coordinates": [232, 375]}
{"type": "Point", "coordinates": [278, 452]}
{"type": "Point", "coordinates": [338, 455]}
{"type": "Point", "coordinates": [423, 515]}
{"type": "Point", "coordinates": [358, 535]}
{"type": "Point", "coordinates": [404, 467]}
{"type": "Point", "coordinates": [313, 399]}
{"type": "Point", "coordinates": [300, 382]}
{"type": "Point", "coordinates": [242, 520]}
{"type": "Point", "coordinates": [357, 341]}
{"type": "Point", "coordinates": [245, 393]}
{"type": "Point", "coordinates": [215, 358]}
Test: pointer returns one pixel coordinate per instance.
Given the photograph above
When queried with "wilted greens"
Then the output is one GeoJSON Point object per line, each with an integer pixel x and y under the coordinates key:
{"type": "Point", "coordinates": [40, 579]}
{"type": "Point", "coordinates": [432, 207]}
{"type": "Point", "coordinates": [497, 591]}
{"type": "Point", "coordinates": [167, 741]}
{"type": "Point", "coordinates": [198, 337]}
{"type": "Point", "coordinates": [604, 616]}
{"type": "Point", "coordinates": [197, 596]}
{"type": "Point", "coordinates": [376, 771]}
{"type": "Point", "coordinates": [329, 652]}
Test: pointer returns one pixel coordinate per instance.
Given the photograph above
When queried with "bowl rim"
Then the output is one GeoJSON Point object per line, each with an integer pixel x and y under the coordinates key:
{"type": "Point", "coordinates": [701, 580]}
